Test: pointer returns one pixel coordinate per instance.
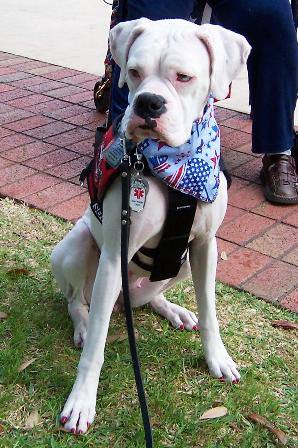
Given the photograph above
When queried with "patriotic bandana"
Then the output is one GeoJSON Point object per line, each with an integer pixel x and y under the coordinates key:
{"type": "Point", "coordinates": [192, 168]}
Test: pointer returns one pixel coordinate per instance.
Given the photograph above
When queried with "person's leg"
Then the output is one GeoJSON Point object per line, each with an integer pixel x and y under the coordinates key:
{"type": "Point", "coordinates": [154, 10]}
{"type": "Point", "coordinates": [272, 68]}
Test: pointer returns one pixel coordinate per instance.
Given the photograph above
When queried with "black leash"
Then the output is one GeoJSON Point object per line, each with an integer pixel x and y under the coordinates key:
{"type": "Point", "coordinates": [125, 222]}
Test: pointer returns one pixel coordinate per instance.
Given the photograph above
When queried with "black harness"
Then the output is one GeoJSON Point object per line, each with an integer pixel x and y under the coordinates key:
{"type": "Point", "coordinates": [171, 252]}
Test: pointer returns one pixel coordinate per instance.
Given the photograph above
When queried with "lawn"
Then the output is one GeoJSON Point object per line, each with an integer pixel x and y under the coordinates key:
{"type": "Point", "coordinates": [37, 330]}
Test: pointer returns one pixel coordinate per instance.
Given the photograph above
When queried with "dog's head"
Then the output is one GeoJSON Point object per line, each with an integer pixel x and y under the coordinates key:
{"type": "Point", "coordinates": [171, 67]}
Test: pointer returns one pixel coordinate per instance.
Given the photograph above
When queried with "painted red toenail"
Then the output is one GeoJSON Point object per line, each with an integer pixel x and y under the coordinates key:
{"type": "Point", "coordinates": [88, 425]}
{"type": "Point", "coordinates": [73, 431]}
{"type": "Point", "coordinates": [63, 420]}
{"type": "Point", "coordinates": [195, 328]}
{"type": "Point", "coordinates": [80, 432]}
{"type": "Point", "coordinates": [181, 327]}
{"type": "Point", "coordinates": [221, 379]}
{"type": "Point", "coordinates": [236, 381]}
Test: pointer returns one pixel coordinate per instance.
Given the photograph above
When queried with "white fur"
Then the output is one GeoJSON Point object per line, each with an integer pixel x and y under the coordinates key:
{"type": "Point", "coordinates": [86, 263]}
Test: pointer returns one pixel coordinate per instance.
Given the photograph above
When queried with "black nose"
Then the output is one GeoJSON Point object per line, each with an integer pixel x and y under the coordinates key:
{"type": "Point", "coordinates": [149, 105]}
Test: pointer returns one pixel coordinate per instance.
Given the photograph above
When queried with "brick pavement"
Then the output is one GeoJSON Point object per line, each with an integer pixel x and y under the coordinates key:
{"type": "Point", "coordinates": [47, 123]}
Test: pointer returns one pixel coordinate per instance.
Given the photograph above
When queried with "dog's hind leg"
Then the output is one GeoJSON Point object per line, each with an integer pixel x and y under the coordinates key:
{"type": "Point", "coordinates": [74, 263]}
{"type": "Point", "coordinates": [152, 293]}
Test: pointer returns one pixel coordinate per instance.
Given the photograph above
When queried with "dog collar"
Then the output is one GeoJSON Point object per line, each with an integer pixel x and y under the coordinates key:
{"type": "Point", "coordinates": [192, 168]}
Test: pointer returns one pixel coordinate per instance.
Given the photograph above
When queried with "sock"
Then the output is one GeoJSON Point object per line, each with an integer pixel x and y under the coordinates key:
{"type": "Point", "coordinates": [288, 152]}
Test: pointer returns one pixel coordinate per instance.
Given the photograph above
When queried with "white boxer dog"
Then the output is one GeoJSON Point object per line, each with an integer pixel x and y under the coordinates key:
{"type": "Point", "coordinates": [184, 64]}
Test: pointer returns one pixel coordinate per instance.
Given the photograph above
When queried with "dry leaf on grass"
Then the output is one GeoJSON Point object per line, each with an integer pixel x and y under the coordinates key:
{"type": "Point", "coordinates": [285, 324]}
{"type": "Point", "coordinates": [26, 364]}
{"type": "Point", "coordinates": [17, 272]}
{"type": "Point", "coordinates": [1, 429]}
{"type": "Point", "coordinates": [224, 256]}
{"type": "Point", "coordinates": [3, 315]}
{"type": "Point", "coordinates": [256, 418]}
{"type": "Point", "coordinates": [218, 411]}
{"type": "Point", "coordinates": [32, 420]}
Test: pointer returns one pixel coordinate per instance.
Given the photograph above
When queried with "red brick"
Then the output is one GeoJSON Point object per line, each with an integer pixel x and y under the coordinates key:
{"type": "Point", "coordinates": [51, 159]}
{"type": "Point", "coordinates": [79, 97]}
{"type": "Point", "coordinates": [250, 170]}
{"type": "Point", "coordinates": [67, 112]}
{"type": "Point", "coordinates": [246, 148]}
{"type": "Point", "coordinates": [28, 82]}
{"type": "Point", "coordinates": [222, 114]}
{"type": "Point", "coordinates": [29, 185]}
{"type": "Point", "coordinates": [81, 78]}
{"type": "Point", "coordinates": [6, 70]}
{"type": "Point", "coordinates": [70, 138]}
{"type": "Point", "coordinates": [89, 104]}
{"type": "Point", "coordinates": [291, 301]}
{"type": "Point", "coordinates": [28, 123]}
{"type": "Point", "coordinates": [6, 88]}
{"type": "Point", "coordinates": [244, 228]}
{"type": "Point", "coordinates": [89, 85]}
{"type": "Point", "coordinates": [48, 130]}
{"type": "Point", "coordinates": [224, 130]}
{"type": "Point", "coordinates": [237, 183]}
{"type": "Point", "coordinates": [13, 61]}
{"type": "Point", "coordinates": [240, 265]}
{"type": "Point", "coordinates": [232, 213]}
{"type": "Point", "coordinates": [70, 169]}
{"type": "Point", "coordinates": [225, 246]}
{"type": "Point", "coordinates": [26, 66]}
{"type": "Point", "coordinates": [49, 68]}
{"type": "Point", "coordinates": [61, 73]}
{"type": "Point", "coordinates": [84, 147]}
{"type": "Point", "coordinates": [234, 158]}
{"type": "Point", "coordinates": [28, 101]}
{"type": "Point", "coordinates": [49, 106]}
{"type": "Point", "coordinates": [292, 256]}
{"type": "Point", "coordinates": [275, 242]}
{"type": "Point", "coordinates": [235, 139]}
{"type": "Point", "coordinates": [4, 162]}
{"type": "Point", "coordinates": [274, 211]}
{"type": "Point", "coordinates": [247, 198]}
{"type": "Point", "coordinates": [73, 208]}
{"type": "Point", "coordinates": [53, 195]}
{"type": "Point", "coordinates": [5, 108]}
{"type": "Point", "coordinates": [292, 219]}
{"type": "Point", "coordinates": [45, 86]}
{"type": "Point", "coordinates": [12, 173]}
{"type": "Point", "coordinates": [14, 140]}
{"type": "Point", "coordinates": [13, 94]}
{"type": "Point", "coordinates": [86, 118]}
{"type": "Point", "coordinates": [13, 114]}
{"type": "Point", "coordinates": [240, 122]}
{"type": "Point", "coordinates": [14, 77]}
{"type": "Point", "coordinates": [4, 132]}
{"type": "Point", "coordinates": [273, 282]}
{"type": "Point", "coordinates": [28, 151]}
{"type": "Point", "coordinates": [65, 91]}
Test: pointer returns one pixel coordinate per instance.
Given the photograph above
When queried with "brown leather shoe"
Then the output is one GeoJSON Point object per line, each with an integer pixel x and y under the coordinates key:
{"type": "Point", "coordinates": [279, 179]}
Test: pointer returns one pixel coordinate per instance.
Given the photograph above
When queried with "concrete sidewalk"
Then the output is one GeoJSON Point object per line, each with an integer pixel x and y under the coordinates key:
{"type": "Point", "coordinates": [73, 34]}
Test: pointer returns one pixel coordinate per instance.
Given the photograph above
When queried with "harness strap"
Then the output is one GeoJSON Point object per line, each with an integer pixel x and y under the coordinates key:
{"type": "Point", "coordinates": [125, 220]}
{"type": "Point", "coordinates": [181, 213]}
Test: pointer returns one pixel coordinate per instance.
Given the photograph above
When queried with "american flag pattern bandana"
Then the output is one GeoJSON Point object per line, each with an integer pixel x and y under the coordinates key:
{"type": "Point", "coordinates": [192, 168]}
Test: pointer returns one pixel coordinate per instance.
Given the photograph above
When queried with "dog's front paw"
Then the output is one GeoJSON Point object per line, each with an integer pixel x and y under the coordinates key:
{"type": "Point", "coordinates": [220, 364]}
{"type": "Point", "coordinates": [79, 335]}
{"type": "Point", "coordinates": [79, 410]}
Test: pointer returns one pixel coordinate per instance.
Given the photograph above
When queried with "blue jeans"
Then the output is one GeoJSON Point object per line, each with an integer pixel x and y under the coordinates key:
{"type": "Point", "coordinates": [272, 65]}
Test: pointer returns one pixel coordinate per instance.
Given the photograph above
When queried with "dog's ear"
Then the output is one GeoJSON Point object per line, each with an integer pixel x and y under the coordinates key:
{"type": "Point", "coordinates": [122, 36]}
{"type": "Point", "coordinates": [228, 53]}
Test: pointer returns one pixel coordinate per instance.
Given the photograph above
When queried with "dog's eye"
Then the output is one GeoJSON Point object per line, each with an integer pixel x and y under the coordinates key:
{"type": "Point", "coordinates": [183, 78]}
{"type": "Point", "coordinates": [134, 73]}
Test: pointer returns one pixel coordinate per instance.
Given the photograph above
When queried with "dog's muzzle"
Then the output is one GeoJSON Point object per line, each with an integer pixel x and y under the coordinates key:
{"type": "Point", "coordinates": [148, 105]}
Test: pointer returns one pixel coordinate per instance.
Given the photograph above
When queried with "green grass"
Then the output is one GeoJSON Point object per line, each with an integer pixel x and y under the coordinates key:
{"type": "Point", "coordinates": [177, 383]}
